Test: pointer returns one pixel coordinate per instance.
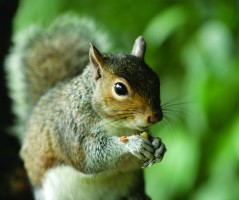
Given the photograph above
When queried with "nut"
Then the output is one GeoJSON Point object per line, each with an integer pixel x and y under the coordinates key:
{"type": "Point", "coordinates": [144, 135]}
{"type": "Point", "coordinates": [123, 139]}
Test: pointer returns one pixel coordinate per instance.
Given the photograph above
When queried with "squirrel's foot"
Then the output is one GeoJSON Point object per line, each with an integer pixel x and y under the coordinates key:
{"type": "Point", "coordinates": [159, 151]}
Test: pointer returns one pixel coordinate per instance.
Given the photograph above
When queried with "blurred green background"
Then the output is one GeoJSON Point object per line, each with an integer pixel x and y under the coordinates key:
{"type": "Point", "coordinates": [193, 46]}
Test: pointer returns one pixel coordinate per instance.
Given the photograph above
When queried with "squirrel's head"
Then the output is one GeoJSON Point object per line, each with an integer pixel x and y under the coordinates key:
{"type": "Point", "coordinates": [127, 91]}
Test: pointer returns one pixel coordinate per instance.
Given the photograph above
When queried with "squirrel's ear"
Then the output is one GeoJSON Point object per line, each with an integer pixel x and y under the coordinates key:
{"type": "Point", "coordinates": [139, 47]}
{"type": "Point", "coordinates": [96, 60]}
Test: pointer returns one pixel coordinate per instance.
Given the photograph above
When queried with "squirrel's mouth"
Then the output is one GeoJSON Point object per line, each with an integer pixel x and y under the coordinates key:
{"type": "Point", "coordinates": [142, 128]}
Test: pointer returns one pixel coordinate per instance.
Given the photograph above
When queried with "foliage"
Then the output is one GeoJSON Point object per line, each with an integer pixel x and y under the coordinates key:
{"type": "Point", "coordinates": [193, 45]}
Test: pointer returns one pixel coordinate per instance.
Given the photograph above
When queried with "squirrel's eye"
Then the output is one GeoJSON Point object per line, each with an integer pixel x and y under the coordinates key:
{"type": "Point", "coordinates": [120, 89]}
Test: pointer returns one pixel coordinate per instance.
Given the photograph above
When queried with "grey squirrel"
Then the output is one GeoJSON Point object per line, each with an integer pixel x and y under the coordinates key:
{"type": "Point", "coordinates": [74, 104]}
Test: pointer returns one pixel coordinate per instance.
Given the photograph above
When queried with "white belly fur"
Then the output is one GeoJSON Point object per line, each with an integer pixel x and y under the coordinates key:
{"type": "Point", "coordinates": [66, 183]}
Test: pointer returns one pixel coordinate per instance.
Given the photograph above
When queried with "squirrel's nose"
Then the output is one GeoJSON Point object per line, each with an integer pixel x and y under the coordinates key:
{"type": "Point", "coordinates": [154, 117]}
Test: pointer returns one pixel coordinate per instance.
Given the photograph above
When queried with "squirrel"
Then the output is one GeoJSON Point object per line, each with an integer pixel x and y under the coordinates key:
{"type": "Point", "coordinates": [76, 104]}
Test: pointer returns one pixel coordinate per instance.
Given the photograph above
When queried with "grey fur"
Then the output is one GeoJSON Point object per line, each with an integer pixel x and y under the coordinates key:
{"type": "Point", "coordinates": [70, 126]}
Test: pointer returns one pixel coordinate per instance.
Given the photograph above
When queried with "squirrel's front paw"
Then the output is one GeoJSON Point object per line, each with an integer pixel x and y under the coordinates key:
{"type": "Point", "coordinates": [140, 147]}
{"type": "Point", "coordinates": [159, 151]}
{"type": "Point", "coordinates": [148, 150]}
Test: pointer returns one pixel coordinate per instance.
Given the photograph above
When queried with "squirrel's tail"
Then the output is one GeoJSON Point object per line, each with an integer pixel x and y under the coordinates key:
{"type": "Point", "coordinates": [41, 57]}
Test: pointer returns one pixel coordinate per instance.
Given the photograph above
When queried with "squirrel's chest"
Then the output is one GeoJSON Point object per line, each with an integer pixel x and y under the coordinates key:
{"type": "Point", "coordinates": [64, 182]}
